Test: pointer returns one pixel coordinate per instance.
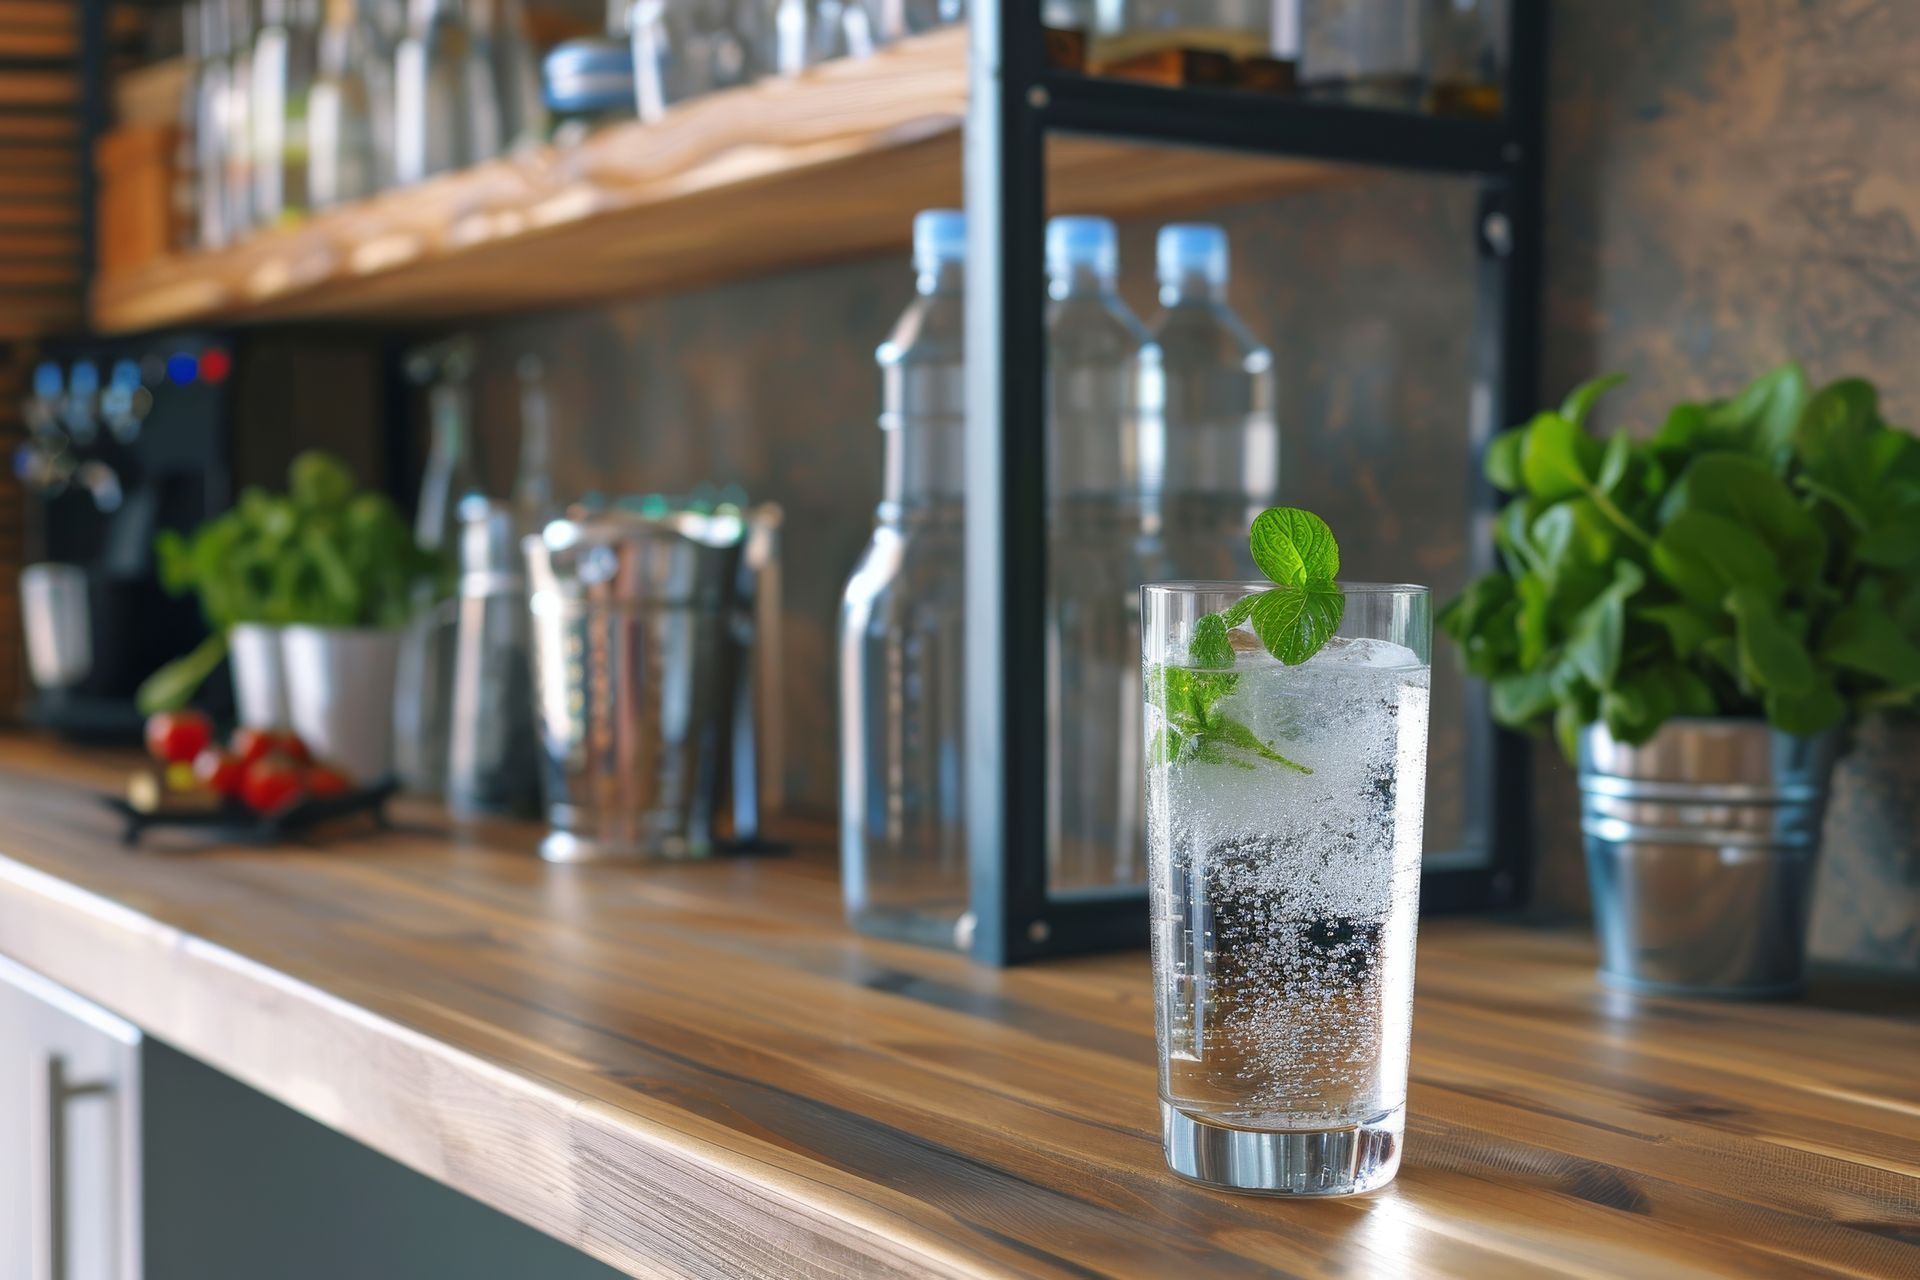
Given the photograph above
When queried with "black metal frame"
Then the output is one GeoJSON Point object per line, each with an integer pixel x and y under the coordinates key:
{"type": "Point", "coordinates": [91, 17]}
{"type": "Point", "coordinates": [1015, 102]}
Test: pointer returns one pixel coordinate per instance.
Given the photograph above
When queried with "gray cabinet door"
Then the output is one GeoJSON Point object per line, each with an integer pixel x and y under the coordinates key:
{"type": "Point", "coordinates": [69, 1135]}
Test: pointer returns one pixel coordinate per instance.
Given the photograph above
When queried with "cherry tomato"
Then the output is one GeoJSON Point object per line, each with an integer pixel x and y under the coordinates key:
{"type": "Point", "coordinates": [324, 780]}
{"type": "Point", "coordinates": [219, 771]}
{"type": "Point", "coordinates": [176, 737]}
{"type": "Point", "coordinates": [251, 744]}
{"type": "Point", "coordinates": [270, 784]}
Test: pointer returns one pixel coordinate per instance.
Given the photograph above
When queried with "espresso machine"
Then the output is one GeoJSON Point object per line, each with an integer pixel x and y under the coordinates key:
{"type": "Point", "coordinates": [124, 438]}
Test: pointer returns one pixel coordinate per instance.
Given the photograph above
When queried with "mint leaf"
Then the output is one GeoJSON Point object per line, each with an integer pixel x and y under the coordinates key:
{"type": "Point", "coordinates": [1772, 657]}
{"type": "Point", "coordinates": [1580, 401]}
{"type": "Point", "coordinates": [1559, 459]}
{"type": "Point", "coordinates": [1747, 492]}
{"type": "Point", "coordinates": [1704, 556]}
{"type": "Point", "coordinates": [1233, 733]}
{"type": "Point", "coordinates": [1864, 638]}
{"type": "Point", "coordinates": [1293, 547]}
{"type": "Point", "coordinates": [1210, 646]}
{"type": "Point", "coordinates": [1502, 461]}
{"type": "Point", "coordinates": [1293, 622]}
{"type": "Point", "coordinates": [1236, 613]}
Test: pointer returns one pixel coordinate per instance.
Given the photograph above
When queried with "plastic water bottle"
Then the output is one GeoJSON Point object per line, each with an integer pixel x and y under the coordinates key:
{"type": "Point", "coordinates": [1216, 464]}
{"type": "Point", "coordinates": [902, 710]}
{"type": "Point", "coordinates": [1102, 401]}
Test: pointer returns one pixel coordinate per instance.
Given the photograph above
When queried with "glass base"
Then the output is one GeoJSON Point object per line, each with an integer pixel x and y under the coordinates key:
{"type": "Point", "coordinates": [1296, 1162]}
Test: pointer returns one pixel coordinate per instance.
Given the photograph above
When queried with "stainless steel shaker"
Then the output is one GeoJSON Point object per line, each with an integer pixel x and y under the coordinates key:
{"type": "Point", "coordinates": [492, 759]}
{"type": "Point", "coordinates": [642, 629]}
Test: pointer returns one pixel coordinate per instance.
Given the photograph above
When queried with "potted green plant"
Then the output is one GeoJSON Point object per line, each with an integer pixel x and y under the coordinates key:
{"type": "Point", "coordinates": [329, 576]}
{"type": "Point", "coordinates": [1699, 614]}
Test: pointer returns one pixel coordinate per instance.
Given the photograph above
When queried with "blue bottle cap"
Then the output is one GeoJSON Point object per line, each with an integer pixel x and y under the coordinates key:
{"type": "Point", "coordinates": [1081, 242]}
{"type": "Point", "coordinates": [939, 236]}
{"type": "Point", "coordinates": [1187, 249]}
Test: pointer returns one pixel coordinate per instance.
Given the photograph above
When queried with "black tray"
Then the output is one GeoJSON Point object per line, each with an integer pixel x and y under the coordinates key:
{"type": "Point", "coordinates": [234, 823]}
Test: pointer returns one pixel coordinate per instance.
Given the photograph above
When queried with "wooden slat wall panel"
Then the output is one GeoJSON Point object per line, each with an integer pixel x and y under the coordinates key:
{"type": "Point", "coordinates": [41, 255]}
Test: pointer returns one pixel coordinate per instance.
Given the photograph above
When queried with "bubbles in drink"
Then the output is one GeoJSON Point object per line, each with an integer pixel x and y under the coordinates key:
{"type": "Point", "coordinates": [1284, 903]}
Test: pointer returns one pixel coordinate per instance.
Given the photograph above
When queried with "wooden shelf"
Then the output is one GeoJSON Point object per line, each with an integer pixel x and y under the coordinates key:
{"type": "Point", "coordinates": [783, 173]}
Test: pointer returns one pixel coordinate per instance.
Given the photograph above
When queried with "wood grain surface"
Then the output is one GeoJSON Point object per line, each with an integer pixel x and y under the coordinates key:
{"type": "Point", "coordinates": [696, 1070]}
{"type": "Point", "coordinates": [786, 172]}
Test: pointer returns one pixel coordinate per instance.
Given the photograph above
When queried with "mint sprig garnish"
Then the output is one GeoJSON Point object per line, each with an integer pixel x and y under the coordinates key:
{"type": "Point", "coordinates": [1296, 550]}
{"type": "Point", "coordinates": [1298, 553]}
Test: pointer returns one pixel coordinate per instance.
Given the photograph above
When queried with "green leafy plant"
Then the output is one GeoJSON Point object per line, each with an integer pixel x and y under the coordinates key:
{"type": "Point", "coordinates": [1297, 552]}
{"type": "Point", "coordinates": [322, 553]}
{"type": "Point", "coordinates": [1755, 556]}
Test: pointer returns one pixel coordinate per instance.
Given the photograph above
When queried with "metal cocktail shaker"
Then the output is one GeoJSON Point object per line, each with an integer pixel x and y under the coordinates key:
{"type": "Point", "coordinates": [642, 627]}
{"type": "Point", "coordinates": [492, 756]}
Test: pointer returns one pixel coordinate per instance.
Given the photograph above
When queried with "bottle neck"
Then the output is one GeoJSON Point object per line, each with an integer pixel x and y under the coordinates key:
{"type": "Point", "coordinates": [1080, 281]}
{"type": "Point", "coordinates": [448, 446]}
{"type": "Point", "coordinates": [1191, 288]}
{"type": "Point", "coordinates": [940, 276]}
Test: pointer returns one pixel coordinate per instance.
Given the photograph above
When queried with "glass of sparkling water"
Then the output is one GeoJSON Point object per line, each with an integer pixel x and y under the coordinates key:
{"type": "Point", "coordinates": [1284, 808]}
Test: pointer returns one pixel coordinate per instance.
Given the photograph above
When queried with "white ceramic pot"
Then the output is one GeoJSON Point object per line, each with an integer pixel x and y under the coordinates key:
{"type": "Point", "coordinates": [259, 675]}
{"type": "Point", "coordinates": [340, 684]}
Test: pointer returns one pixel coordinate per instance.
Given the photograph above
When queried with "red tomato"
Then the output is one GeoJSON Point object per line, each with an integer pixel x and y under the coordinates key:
{"type": "Point", "coordinates": [270, 784]}
{"type": "Point", "coordinates": [323, 780]}
{"type": "Point", "coordinates": [251, 744]}
{"type": "Point", "coordinates": [218, 771]}
{"type": "Point", "coordinates": [176, 737]}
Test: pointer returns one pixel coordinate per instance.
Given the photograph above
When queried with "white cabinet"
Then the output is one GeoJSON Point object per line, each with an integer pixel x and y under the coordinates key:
{"type": "Point", "coordinates": [69, 1135]}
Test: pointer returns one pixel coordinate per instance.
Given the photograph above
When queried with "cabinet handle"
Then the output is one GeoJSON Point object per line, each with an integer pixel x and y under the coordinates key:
{"type": "Point", "coordinates": [60, 1092]}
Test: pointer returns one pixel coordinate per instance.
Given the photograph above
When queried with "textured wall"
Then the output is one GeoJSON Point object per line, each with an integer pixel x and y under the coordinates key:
{"type": "Point", "coordinates": [1730, 183]}
{"type": "Point", "coordinates": [1362, 290]}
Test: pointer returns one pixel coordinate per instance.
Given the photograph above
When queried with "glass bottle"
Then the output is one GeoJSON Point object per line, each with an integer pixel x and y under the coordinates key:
{"type": "Point", "coordinates": [683, 50]}
{"type": "Point", "coordinates": [500, 30]}
{"type": "Point", "coordinates": [210, 126]}
{"type": "Point", "coordinates": [809, 32]}
{"type": "Point", "coordinates": [185, 222]}
{"type": "Point", "coordinates": [1127, 30]}
{"type": "Point", "coordinates": [1215, 464]}
{"type": "Point", "coordinates": [902, 620]}
{"type": "Point", "coordinates": [1102, 392]}
{"type": "Point", "coordinates": [424, 701]}
{"type": "Point", "coordinates": [236, 135]}
{"type": "Point", "coordinates": [350, 110]}
{"type": "Point", "coordinates": [533, 501]}
{"type": "Point", "coordinates": [286, 60]}
{"type": "Point", "coordinates": [1365, 52]}
{"type": "Point", "coordinates": [446, 110]}
{"type": "Point", "coordinates": [1468, 59]}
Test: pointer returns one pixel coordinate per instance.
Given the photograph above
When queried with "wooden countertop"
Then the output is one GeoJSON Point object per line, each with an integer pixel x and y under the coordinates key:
{"type": "Point", "coordinates": [696, 1070]}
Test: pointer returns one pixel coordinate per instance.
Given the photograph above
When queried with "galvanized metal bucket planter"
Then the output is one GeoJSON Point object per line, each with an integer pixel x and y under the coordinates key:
{"type": "Point", "coordinates": [1701, 846]}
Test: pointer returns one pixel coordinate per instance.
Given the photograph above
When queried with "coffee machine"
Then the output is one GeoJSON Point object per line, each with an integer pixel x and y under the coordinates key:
{"type": "Point", "coordinates": [125, 437]}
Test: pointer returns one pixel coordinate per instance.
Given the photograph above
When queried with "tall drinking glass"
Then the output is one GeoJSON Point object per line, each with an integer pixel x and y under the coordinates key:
{"type": "Point", "coordinates": [1284, 840]}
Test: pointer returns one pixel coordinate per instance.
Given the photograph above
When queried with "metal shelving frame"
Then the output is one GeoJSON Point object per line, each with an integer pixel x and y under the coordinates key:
{"type": "Point", "coordinates": [1016, 101]}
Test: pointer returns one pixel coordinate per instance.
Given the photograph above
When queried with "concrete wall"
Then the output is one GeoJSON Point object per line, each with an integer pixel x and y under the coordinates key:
{"type": "Point", "coordinates": [1730, 182]}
